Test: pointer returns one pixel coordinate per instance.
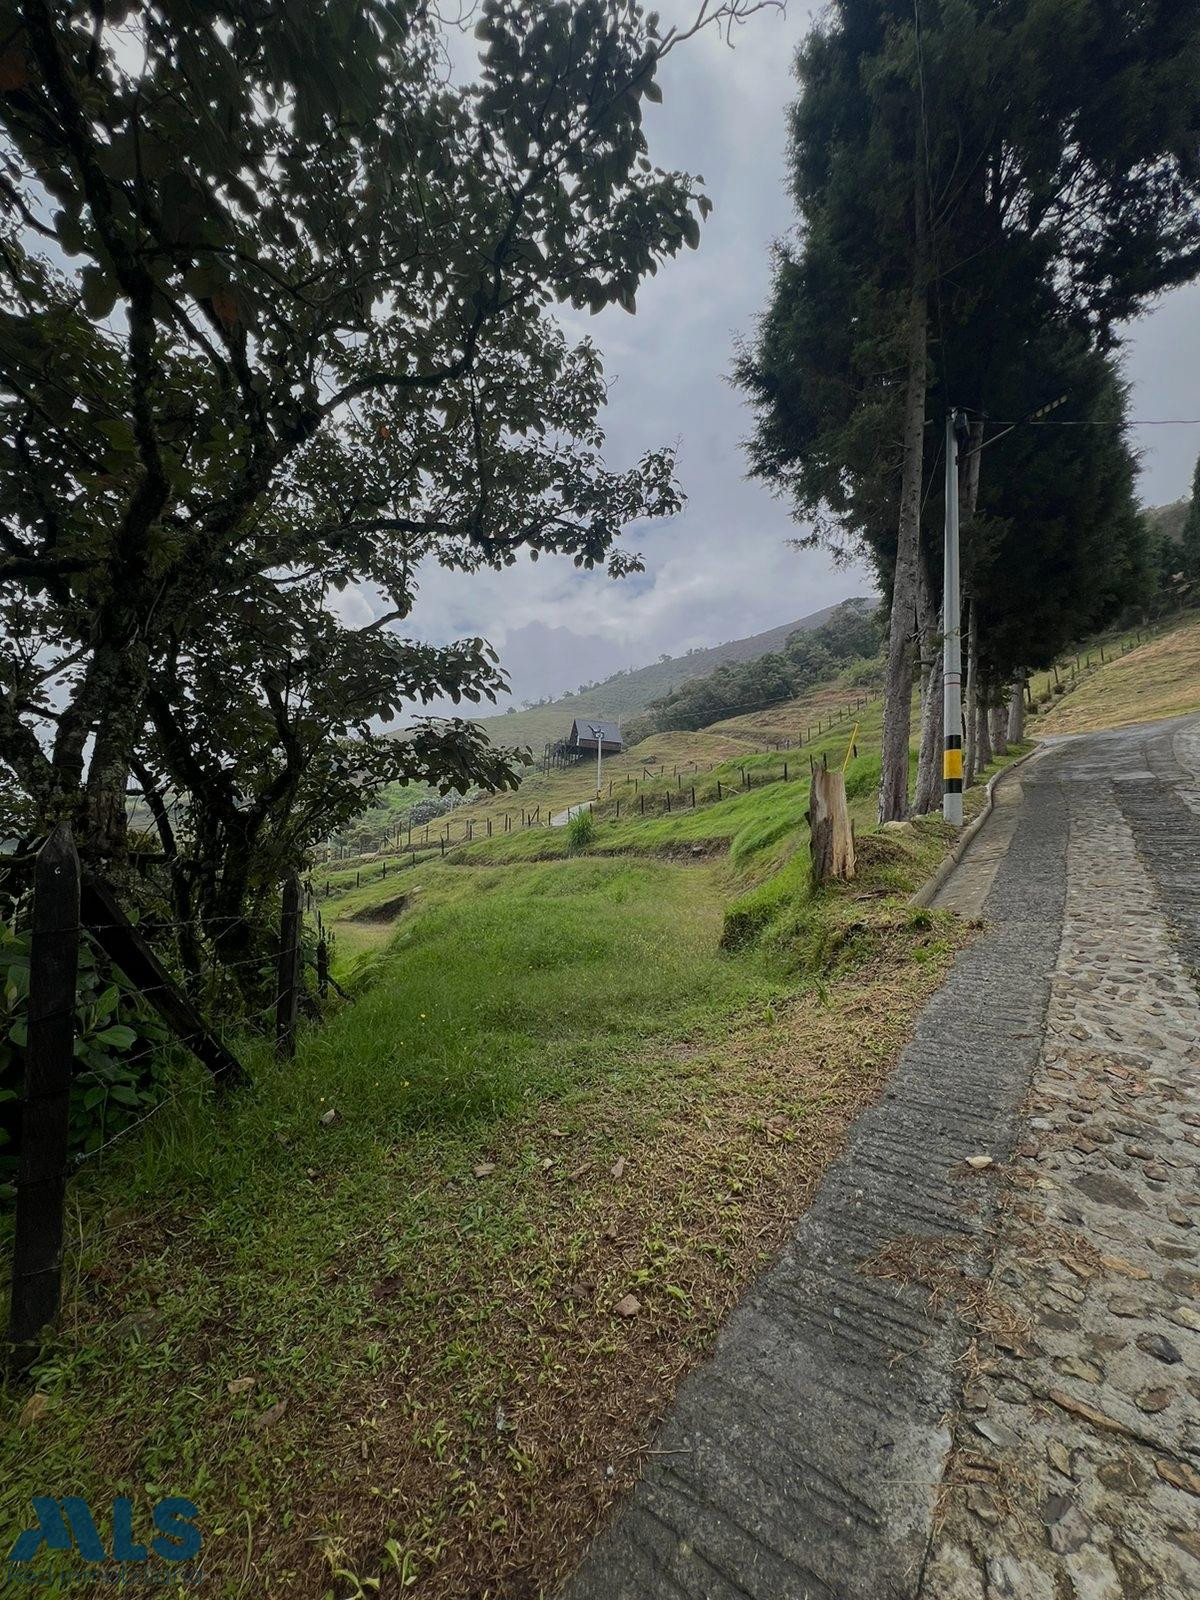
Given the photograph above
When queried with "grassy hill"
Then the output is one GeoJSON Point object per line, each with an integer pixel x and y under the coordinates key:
{"type": "Point", "coordinates": [436, 1278]}
{"type": "Point", "coordinates": [1161, 678]}
{"type": "Point", "coordinates": [626, 694]}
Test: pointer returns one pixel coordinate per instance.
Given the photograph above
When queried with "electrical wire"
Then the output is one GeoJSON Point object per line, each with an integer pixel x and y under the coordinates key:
{"type": "Point", "coordinates": [1098, 422]}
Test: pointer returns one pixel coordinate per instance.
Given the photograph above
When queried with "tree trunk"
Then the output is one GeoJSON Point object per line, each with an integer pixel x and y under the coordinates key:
{"type": "Point", "coordinates": [983, 736]}
{"type": "Point", "coordinates": [832, 844]}
{"type": "Point", "coordinates": [929, 787]}
{"type": "Point", "coordinates": [1016, 712]}
{"type": "Point", "coordinates": [971, 741]}
{"type": "Point", "coordinates": [999, 728]}
{"type": "Point", "coordinates": [897, 701]}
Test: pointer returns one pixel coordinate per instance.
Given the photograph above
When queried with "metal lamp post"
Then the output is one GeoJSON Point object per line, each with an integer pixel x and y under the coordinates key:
{"type": "Point", "coordinates": [598, 735]}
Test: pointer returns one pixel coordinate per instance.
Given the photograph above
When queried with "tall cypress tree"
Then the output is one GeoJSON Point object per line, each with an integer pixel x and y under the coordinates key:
{"type": "Point", "coordinates": [962, 174]}
{"type": "Point", "coordinates": [1191, 530]}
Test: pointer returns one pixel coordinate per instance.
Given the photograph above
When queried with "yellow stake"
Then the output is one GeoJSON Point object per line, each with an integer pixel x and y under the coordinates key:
{"type": "Point", "coordinates": [850, 746]}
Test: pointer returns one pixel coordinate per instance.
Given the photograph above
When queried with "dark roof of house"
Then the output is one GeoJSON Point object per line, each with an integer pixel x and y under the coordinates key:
{"type": "Point", "coordinates": [609, 732]}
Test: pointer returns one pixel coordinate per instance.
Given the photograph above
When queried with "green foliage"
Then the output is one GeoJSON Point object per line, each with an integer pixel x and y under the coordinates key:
{"type": "Point", "coordinates": [1190, 536]}
{"type": "Point", "coordinates": [903, 121]}
{"type": "Point", "coordinates": [581, 830]}
{"type": "Point", "coordinates": [274, 322]}
{"type": "Point", "coordinates": [120, 1052]}
{"type": "Point", "coordinates": [1057, 550]}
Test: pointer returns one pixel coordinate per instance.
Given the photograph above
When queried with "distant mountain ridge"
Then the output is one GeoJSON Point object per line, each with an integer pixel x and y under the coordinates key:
{"type": "Point", "coordinates": [627, 694]}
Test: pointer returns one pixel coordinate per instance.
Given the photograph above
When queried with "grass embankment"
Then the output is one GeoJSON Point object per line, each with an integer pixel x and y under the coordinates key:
{"type": "Point", "coordinates": [791, 720]}
{"type": "Point", "coordinates": [372, 1314]}
{"type": "Point", "coordinates": [1158, 679]}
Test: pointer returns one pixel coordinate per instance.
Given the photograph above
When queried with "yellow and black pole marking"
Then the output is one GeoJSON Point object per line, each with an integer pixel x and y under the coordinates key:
{"type": "Point", "coordinates": [952, 765]}
{"type": "Point", "coordinates": [952, 759]}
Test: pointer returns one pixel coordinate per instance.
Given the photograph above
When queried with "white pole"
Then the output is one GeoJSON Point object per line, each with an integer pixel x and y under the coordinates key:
{"type": "Point", "coordinates": [952, 757]}
{"type": "Point", "coordinates": [599, 735]}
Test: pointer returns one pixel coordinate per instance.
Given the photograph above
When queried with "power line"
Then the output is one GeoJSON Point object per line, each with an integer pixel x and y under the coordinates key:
{"type": "Point", "coordinates": [1100, 422]}
{"type": "Point", "coordinates": [930, 220]}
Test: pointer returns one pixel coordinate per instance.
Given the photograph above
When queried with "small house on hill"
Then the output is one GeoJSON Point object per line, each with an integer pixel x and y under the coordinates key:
{"type": "Point", "coordinates": [587, 732]}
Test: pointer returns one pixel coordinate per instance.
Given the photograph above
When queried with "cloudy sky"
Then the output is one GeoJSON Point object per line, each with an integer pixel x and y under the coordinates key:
{"type": "Point", "coordinates": [722, 569]}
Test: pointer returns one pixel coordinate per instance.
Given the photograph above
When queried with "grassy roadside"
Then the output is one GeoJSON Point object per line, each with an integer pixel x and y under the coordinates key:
{"type": "Point", "coordinates": [367, 1316]}
{"type": "Point", "coordinates": [1158, 679]}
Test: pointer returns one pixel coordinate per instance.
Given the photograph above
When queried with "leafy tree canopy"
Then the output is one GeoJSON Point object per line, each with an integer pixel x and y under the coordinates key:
{"type": "Point", "coordinates": [276, 319]}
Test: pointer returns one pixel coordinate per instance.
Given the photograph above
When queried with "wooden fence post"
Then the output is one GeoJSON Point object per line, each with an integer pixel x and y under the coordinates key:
{"type": "Point", "coordinates": [45, 1115]}
{"type": "Point", "coordinates": [288, 982]}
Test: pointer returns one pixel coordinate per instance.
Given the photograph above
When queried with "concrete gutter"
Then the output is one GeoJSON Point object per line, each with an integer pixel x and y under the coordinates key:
{"type": "Point", "coordinates": [929, 889]}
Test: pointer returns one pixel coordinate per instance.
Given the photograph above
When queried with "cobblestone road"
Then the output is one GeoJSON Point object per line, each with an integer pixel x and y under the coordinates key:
{"type": "Point", "coordinates": [975, 1371]}
{"type": "Point", "coordinates": [1076, 1464]}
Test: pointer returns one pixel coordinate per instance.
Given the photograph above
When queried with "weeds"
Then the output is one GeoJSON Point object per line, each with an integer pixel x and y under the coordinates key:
{"type": "Point", "coordinates": [581, 830]}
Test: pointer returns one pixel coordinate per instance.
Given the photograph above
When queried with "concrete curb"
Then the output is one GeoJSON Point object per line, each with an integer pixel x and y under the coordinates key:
{"type": "Point", "coordinates": [930, 887]}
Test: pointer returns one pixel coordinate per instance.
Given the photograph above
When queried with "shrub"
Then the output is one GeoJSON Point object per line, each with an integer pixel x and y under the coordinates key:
{"type": "Point", "coordinates": [581, 830]}
{"type": "Point", "coordinates": [120, 1055]}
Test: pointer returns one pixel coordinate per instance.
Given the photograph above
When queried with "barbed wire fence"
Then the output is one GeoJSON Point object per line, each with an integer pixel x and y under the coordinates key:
{"type": "Point", "coordinates": [74, 919]}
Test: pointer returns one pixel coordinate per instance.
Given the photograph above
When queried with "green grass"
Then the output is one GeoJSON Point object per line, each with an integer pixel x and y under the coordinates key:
{"type": "Point", "coordinates": [500, 987]}
{"type": "Point", "coordinates": [534, 1022]}
{"type": "Point", "coordinates": [1160, 678]}
{"type": "Point", "coordinates": [270, 1229]}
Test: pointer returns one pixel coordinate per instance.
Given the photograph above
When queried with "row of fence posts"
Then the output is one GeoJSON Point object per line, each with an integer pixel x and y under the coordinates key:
{"type": "Point", "coordinates": [533, 818]}
{"type": "Point", "coordinates": [527, 819]}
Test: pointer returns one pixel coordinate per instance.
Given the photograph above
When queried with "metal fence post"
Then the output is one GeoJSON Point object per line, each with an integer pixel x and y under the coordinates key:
{"type": "Point", "coordinates": [288, 984]}
{"type": "Point", "coordinates": [322, 959]}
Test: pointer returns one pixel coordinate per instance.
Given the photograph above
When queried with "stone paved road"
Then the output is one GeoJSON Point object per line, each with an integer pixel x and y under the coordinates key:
{"type": "Point", "coordinates": [964, 1380]}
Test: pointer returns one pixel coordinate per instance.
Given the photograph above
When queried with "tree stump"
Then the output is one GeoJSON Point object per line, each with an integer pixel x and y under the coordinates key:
{"type": "Point", "coordinates": [832, 832]}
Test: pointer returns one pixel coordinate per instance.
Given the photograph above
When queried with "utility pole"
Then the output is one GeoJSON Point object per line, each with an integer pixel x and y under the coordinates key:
{"type": "Point", "coordinates": [952, 757]}
{"type": "Point", "coordinates": [598, 735]}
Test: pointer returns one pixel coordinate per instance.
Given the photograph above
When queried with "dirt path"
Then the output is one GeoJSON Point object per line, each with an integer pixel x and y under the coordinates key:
{"type": "Point", "coordinates": [561, 818]}
{"type": "Point", "coordinates": [975, 1369]}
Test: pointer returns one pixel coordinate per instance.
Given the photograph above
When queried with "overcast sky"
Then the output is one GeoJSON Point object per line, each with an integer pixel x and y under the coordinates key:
{"type": "Point", "coordinates": [723, 569]}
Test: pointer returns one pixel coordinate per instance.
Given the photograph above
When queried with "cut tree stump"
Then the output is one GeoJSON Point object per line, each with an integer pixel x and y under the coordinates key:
{"type": "Point", "coordinates": [832, 832]}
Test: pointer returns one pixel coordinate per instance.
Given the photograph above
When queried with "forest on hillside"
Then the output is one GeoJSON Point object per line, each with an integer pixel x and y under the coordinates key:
{"type": "Point", "coordinates": [851, 635]}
